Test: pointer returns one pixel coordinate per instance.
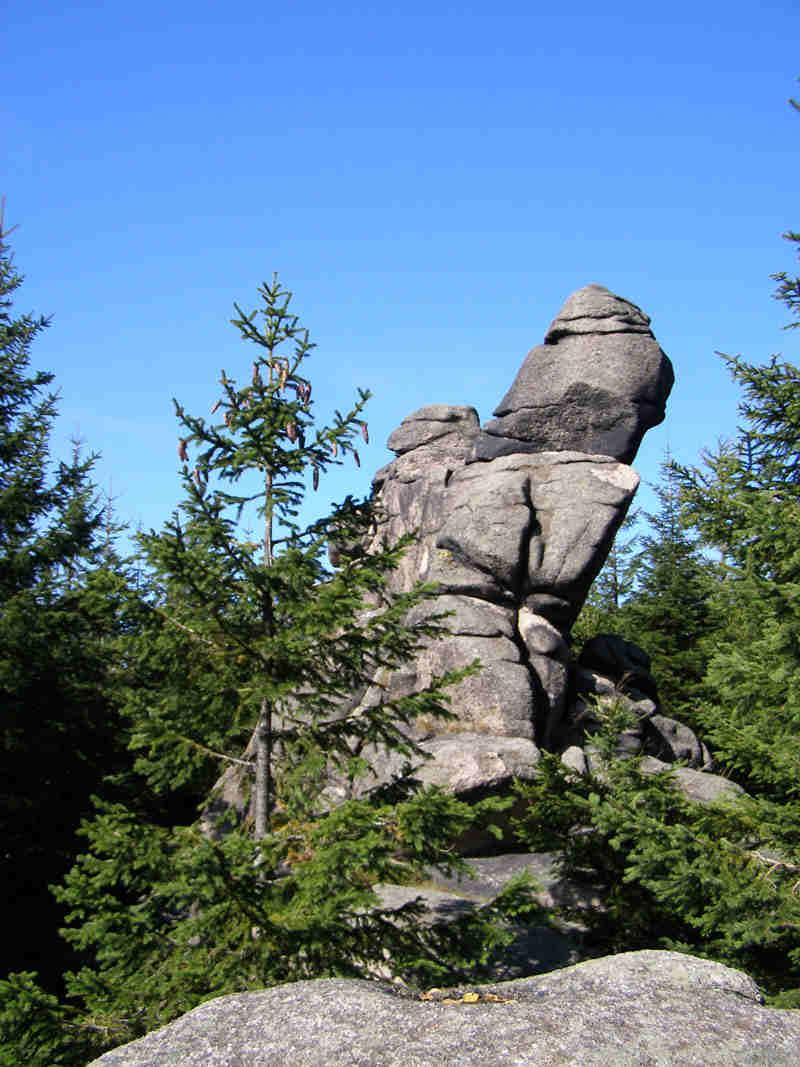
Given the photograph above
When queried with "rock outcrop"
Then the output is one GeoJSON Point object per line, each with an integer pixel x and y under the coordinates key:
{"type": "Point", "coordinates": [628, 1010]}
{"type": "Point", "coordinates": [513, 521]}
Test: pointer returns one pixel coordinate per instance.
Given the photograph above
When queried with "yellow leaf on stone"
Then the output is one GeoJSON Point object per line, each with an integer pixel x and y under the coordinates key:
{"type": "Point", "coordinates": [471, 998]}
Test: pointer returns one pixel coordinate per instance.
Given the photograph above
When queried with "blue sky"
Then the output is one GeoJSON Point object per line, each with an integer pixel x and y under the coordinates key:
{"type": "Point", "coordinates": [431, 181]}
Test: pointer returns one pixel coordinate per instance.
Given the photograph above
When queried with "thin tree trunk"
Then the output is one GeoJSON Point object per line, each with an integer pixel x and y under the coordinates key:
{"type": "Point", "coordinates": [263, 783]}
{"type": "Point", "coordinates": [263, 786]}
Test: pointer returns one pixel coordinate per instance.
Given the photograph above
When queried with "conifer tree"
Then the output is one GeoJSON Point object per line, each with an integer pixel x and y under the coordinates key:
{"type": "Point", "coordinates": [289, 638]}
{"type": "Point", "coordinates": [604, 610]}
{"type": "Point", "coordinates": [255, 635]}
{"type": "Point", "coordinates": [669, 615]}
{"type": "Point", "coordinates": [745, 501]}
{"type": "Point", "coordinates": [719, 880]}
{"type": "Point", "coordinates": [59, 608]}
{"type": "Point", "coordinates": [671, 873]}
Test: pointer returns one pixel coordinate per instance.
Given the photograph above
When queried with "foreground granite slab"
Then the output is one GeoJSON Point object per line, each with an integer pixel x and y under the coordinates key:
{"type": "Point", "coordinates": [638, 1008]}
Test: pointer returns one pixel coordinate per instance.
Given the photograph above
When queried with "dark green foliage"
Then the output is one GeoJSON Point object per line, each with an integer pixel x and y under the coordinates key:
{"type": "Point", "coordinates": [35, 1029]}
{"type": "Point", "coordinates": [60, 603]}
{"type": "Point", "coordinates": [604, 610]}
{"type": "Point", "coordinates": [266, 632]}
{"type": "Point", "coordinates": [671, 873]}
{"type": "Point", "coordinates": [656, 591]}
{"type": "Point", "coordinates": [244, 632]}
{"type": "Point", "coordinates": [716, 605]}
{"type": "Point", "coordinates": [669, 614]}
{"type": "Point", "coordinates": [745, 502]}
{"type": "Point", "coordinates": [173, 917]}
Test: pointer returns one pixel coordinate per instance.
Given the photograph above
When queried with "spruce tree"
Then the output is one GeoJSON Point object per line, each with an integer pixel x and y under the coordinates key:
{"type": "Point", "coordinates": [669, 614]}
{"type": "Point", "coordinates": [604, 610]}
{"type": "Point", "coordinates": [249, 592]}
{"type": "Point", "coordinates": [59, 609]}
{"type": "Point", "coordinates": [671, 873]}
{"type": "Point", "coordinates": [253, 634]}
{"type": "Point", "coordinates": [720, 880]}
{"type": "Point", "coordinates": [745, 501]}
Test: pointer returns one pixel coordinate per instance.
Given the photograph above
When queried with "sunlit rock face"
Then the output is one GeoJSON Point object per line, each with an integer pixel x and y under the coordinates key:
{"type": "Point", "coordinates": [514, 520]}
{"type": "Point", "coordinates": [596, 385]}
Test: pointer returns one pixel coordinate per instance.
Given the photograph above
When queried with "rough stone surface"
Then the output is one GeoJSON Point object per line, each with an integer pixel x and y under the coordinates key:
{"type": "Point", "coordinates": [534, 950]}
{"type": "Point", "coordinates": [490, 874]}
{"type": "Point", "coordinates": [594, 309]}
{"type": "Point", "coordinates": [627, 665]}
{"type": "Point", "coordinates": [575, 758]}
{"type": "Point", "coordinates": [700, 786]}
{"type": "Point", "coordinates": [636, 1009]}
{"type": "Point", "coordinates": [670, 740]}
{"type": "Point", "coordinates": [466, 763]}
{"type": "Point", "coordinates": [527, 524]}
{"type": "Point", "coordinates": [431, 423]}
{"type": "Point", "coordinates": [596, 385]}
{"type": "Point", "coordinates": [513, 537]}
{"type": "Point", "coordinates": [697, 785]}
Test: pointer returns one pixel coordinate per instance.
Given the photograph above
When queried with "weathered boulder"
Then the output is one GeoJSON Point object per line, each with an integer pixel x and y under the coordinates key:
{"type": "Point", "coordinates": [514, 526]}
{"type": "Point", "coordinates": [447, 424]}
{"type": "Point", "coordinates": [630, 1010]}
{"type": "Point", "coordinates": [627, 665]}
{"type": "Point", "coordinates": [670, 740]}
{"type": "Point", "coordinates": [513, 523]}
{"type": "Point", "coordinates": [701, 786]}
{"type": "Point", "coordinates": [535, 949]}
{"type": "Point", "coordinates": [410, 490]}
{"type": "Point", "coordinates": [596, 385]}
{"type": "Point", "coordinates": [627, 680]}
{"type": "Point", "coordinates": [525, 525]}
{"type": "Point", "coordinates": [491, 874]}
{"type": "Point", "coordinates": [468, 764]}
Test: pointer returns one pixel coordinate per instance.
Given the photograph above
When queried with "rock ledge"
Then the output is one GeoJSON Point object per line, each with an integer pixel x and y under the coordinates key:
{"type": "Point", "coordinates": [639, 1008]}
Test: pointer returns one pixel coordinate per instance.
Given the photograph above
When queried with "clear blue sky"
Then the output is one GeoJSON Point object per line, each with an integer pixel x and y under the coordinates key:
{"type": "Point", "coordinates": [431, 180]}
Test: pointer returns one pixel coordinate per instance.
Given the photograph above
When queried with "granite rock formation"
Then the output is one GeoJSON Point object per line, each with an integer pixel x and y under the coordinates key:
{"type": "Point", "coordinates": [596, 385]}
{"type": "Point", "coordinates": [513, 522]}
{"type": "Point", "coordinates": [629, 1010]}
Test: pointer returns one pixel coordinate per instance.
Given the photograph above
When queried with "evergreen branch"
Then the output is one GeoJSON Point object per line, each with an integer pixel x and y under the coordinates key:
{"type": "Point", "coordinates": [186, 629]}
{"type": "Point", "coordinates": [211, 752]}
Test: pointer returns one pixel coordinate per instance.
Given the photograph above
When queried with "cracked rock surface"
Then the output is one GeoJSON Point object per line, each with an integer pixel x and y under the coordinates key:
{"type": "Point", "coordinates": [515, 520]}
